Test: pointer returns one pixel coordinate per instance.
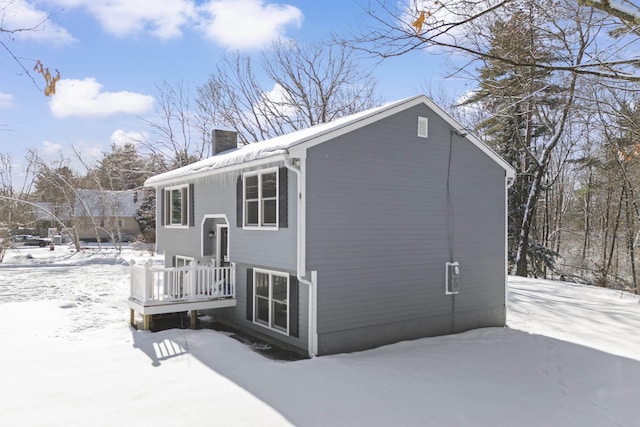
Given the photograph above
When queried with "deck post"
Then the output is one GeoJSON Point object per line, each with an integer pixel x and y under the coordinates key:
{"type": "Point", "coordinates": [191, 286]}
{"type": "Point", "coordinates": [146, 322]}
{"type": "Point", "coordinates": [148, 280]}
{"type": "Point", "coordinates": [132, 317]}
{"type": "Point", "coordinates": [131, 276]}
{"type": "Point", "coordinates": [232, 291]}
{"type": "Point", "coordinates": [194, 318]}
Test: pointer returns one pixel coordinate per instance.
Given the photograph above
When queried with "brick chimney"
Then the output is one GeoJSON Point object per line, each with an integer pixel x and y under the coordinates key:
{"type": "Point", "coordinates": [223, 140]}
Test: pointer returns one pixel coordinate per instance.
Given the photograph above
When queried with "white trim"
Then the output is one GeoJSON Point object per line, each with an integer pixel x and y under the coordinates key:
{"type": "Point", "coordinates": [506, 240]}
{"type": "Point", "coordinates": [313, 314]}
{"type": "Point", "coordinates": [157, 181]}
{"type": "Point", "coordinates": [175, 307]}
{"type": "Point", "coordinates": [202, 231]}
{"type": "Point", "coordinates": [317, 135]}
{"type": "Point", "coordinates": [298, 166]}
{"type": "Point", "coordinates": [397, 107]}
{"type": "Point", "coordinates": [168, 211]}
{"type": "Point", "coordinates": [260, 200]}
{"type": "Point", "coordinates": [270, 299]}
{"type": "Point", "coordinates": [187, 260]}
{"type": "Point", "coordinates": [220, 259]}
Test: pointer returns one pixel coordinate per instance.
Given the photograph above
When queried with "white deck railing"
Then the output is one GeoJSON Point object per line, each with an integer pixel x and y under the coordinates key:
{"type": "Point", "coordinates": [161, 285]}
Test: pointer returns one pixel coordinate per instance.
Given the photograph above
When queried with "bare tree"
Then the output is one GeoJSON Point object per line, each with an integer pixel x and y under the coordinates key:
{"type": "Point", "coordinates": [176, 139]}
{"type": "Point", "coordinates": [396, 28]}
{"type": "Point", "coordinates": [531, 112]}
{"type": "Point", "coordinates": [13, 195]}
{"type": "Point", "coordinates": [55, 185]}
{"type": "Point", "coordinates": [305, 85]}
{"type": "Point", "coordinates": [626, 11]}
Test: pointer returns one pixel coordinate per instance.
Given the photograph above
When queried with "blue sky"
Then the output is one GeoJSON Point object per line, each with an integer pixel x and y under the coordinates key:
{"type": "Point", "coordinates": [112, 53]}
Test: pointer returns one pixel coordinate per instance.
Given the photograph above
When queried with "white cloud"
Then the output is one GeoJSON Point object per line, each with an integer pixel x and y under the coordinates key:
{"type": "Point", "coordinates": [121, 137]}
{"type": "Point", "coordinates": [51, 149]}
{"type": "Point", "coordinates": [162, 18]}
{"type": "Point", "coordinates": [247, 24]}
{"type": "Point", "coordinates": [234, 24]}
{"type": "Point", "coordinates": [6, 100]}
{"type": "Point", "coordinates": [85, 98]}
{"type": "Point", "coordinates": [78, 156]}
{"type": "Point", "coordinates": [278, 101]}
{"type": "Point", "coordinates": [19, 14]}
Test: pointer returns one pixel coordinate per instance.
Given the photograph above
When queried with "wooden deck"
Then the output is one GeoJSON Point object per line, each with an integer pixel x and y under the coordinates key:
{"type": "Point", "coordinates": [158, 290]}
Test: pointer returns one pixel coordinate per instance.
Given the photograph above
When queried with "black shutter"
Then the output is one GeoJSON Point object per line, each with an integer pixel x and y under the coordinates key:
{"type": "Point", "coordinates": [173, 261]}
{"type": "Point", "coordinates": [239, 202]}
{"type": "Point", "coordinates": [283, 220]}
{"type": "Point", "coordinates": [162, 207]}
{"type": "Point", "coordinates": [250, 294]}
{"type": "Point", "coordinates": [192, 213]}
{"type": "Point", "coordinates": [293, 305]}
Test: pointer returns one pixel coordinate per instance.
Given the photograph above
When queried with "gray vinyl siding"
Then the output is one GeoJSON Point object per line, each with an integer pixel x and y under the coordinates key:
{"type": "Point", "coordinates": [268, 249]}
{"type": "Point", "coordinates": [236, 316]}
{"type": "Point", "coordinates": [378, 233]}
{"type": "Point", "coordinates": [216, 195]}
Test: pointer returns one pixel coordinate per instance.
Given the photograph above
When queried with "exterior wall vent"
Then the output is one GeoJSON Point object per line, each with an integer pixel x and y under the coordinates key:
{"type": "Point", "coordinates": [423, 127]}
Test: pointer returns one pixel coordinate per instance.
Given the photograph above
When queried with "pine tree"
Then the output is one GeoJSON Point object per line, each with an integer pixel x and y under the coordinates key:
{"type": "Point", "coordinates": [121, 169]}
{"type": "Point", "coordinates": [513, 97]}
{"type": "Point", "coordinates": [146, 216]}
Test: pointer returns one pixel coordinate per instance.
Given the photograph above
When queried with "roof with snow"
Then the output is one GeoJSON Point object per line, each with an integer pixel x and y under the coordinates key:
{"type": "Point", "coordinates": [279, 146]}
{"type": "Point", "coordinates": [106, 203]}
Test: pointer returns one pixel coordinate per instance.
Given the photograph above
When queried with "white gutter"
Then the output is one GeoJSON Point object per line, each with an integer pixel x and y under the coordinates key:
{"type": "Point", "coordinates": [172, 177]}
{"type": "Point", "coordinates": [297, 165]}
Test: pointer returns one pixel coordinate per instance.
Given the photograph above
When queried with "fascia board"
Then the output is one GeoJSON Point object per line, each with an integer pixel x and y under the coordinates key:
{"type": "Point", "coordinates": [231, 168]}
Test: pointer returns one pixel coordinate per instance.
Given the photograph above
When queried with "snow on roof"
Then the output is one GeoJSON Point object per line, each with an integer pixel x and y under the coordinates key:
{"type": "Point", "coordinates": [268, 148]}
{"type": "Point", "coordinates": [279, 146]}
{"type": "Point", "coordinates": [106, 203]}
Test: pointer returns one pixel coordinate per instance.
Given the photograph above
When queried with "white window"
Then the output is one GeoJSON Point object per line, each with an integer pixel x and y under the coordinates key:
{"type": "Point", "coordinates": [260, 198]}
{"type": "Point", "coordinates": [183, 261]}
{"type": "Point", "coordinates": [182, 277]}
{"type": "Point", "coordinates": [176, 205]}
{"type": "Point", "coordinates": [271, 299]}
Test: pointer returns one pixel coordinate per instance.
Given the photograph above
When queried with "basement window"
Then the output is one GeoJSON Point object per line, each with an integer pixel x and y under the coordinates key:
{"type": "Point", "coordinates": [271, 293]}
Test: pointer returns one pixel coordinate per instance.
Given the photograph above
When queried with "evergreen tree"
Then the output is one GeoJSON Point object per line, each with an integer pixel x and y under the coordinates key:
{"type": "Point", "coordinates": [513, 98]}
{"type": "Point", "coordinates": [121, 169]}
{"type": "Point", "coordinates": [146, 215]}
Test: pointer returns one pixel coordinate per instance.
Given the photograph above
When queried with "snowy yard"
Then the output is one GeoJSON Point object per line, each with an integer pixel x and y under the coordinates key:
{"type": "Point", "coordinates": [570, 357]}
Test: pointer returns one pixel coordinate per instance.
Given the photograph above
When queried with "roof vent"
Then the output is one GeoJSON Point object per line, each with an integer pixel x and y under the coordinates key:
{"type": "Point", "coordinates": [423, 127]}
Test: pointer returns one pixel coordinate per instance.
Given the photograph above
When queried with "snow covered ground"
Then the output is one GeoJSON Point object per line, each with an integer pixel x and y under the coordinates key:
{"type": "Point", "coordinates": [570, 357]}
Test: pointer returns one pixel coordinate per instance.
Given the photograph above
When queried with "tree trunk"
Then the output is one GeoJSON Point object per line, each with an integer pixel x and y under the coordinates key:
{"type": "Point", "coordinates": [616, 225]}
{"type": "Point", "coordinates": [630, 237]}
{"type": "Point", "coordinates": [587, 221]}
{"type": "Point", "coordinates": [521, 267]}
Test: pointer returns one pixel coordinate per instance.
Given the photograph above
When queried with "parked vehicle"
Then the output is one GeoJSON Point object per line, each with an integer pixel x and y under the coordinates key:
{"type": "Point", "coordinates": [29, 240]}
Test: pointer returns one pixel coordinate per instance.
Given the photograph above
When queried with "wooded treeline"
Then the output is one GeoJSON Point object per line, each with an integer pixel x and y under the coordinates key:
{"type": "Point", "coordinates": [569, 126]}
{"type": "Point", "coordinates": [555, 91]}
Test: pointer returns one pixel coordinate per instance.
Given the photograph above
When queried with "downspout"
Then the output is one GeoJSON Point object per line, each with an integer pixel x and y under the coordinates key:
{"type": "Point", "coordinates": [296, 165]}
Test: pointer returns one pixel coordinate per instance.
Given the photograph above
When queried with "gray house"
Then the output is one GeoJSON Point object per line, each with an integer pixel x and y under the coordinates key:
{"type": "Point", "coordinates": [382, 226]}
